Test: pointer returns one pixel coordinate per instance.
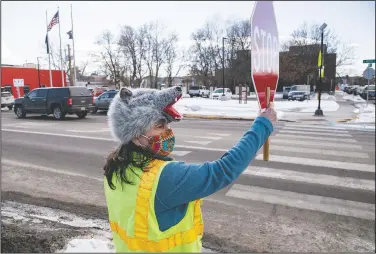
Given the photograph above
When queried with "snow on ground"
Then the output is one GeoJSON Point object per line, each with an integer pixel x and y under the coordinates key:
{"type": "Point", "coordinates": [98, 242]}
{"type": "Point", "coordinates": [232, 108]}
{"type": "Point", "coordinates": [365, 113]}
{"type": "Point", "coordinates": [92, 245]}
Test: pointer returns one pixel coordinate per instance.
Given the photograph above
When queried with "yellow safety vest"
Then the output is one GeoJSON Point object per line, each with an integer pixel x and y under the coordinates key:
{"type": "Point", "coordinates": [133, 221]}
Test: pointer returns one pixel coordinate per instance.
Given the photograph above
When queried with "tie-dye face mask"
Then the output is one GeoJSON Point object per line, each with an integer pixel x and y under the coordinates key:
{"type": "Point", "coordinates": [162, 144]}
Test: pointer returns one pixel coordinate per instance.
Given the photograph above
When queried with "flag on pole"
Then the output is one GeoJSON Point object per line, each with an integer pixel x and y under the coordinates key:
{"type": "Point", "coordinates": [47, 46]}
{"type": "Point", "coordinates": [54, 21]}
{"type": "Point", "coordinates": [70, 34]}
{"type": "Point", "coordinates": [320, 63]}
{"type": "Point", "coordinates": [319, 60]}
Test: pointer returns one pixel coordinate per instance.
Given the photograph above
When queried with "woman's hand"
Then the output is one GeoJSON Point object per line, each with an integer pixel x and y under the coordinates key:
{"type": "Point", "coordinates": [269, 113]}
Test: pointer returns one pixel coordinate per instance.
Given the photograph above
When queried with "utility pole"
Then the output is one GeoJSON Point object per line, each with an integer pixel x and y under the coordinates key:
{"type": "Point", "coordinates": [70, 67]}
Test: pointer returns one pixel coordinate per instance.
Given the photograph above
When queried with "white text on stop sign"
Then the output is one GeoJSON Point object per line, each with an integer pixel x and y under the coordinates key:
{"type": "Point", "coordinates": [265, 51]}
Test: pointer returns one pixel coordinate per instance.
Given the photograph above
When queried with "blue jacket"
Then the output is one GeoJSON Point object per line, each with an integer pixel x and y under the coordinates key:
{"type": "Point", "coordinates": [181, 183]}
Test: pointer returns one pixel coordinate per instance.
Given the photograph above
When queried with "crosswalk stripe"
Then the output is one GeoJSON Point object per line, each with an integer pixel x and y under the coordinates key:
{"type": "Point", "coordinates": [324, 152]}
{"type": "Point", "coordinates": [320, 163]}
{"type": "Point", "coordinates": [314, 130]}
{"type": "Point", "coordinates": [331, 128]}
{"type": "Point", "coordinates": [305, 143]}
{"type": "Point", "coordinates": [304, 201]}
{"type": "Point", "coordinates": [316, 133]}
{"type": "Point", "coordinates": [349, 140]}
{"type": "Point", "coordinates": [346, 182]}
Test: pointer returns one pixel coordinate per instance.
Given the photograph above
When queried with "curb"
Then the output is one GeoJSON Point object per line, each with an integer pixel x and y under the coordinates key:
{"type": "Point", "coordinates": [213, 117]}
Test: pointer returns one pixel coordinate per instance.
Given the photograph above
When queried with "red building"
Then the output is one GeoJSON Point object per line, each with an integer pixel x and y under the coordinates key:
{"type": "Point", "coordinates": [30, 77]}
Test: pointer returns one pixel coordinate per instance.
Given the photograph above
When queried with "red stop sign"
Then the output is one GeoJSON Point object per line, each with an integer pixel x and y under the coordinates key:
{"type": "Point", "coordinates": [265, 51]}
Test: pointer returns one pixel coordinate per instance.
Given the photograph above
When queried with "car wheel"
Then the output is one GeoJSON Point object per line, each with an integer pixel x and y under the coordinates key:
{"type": "Point", "coordinates": [81, 115]}
{"type": "Point", "coordinates": [10, 107]}
{"type": "Point", "coordinates": [58, 113]}
{"type": "Point", "coordinates": [20, 112]}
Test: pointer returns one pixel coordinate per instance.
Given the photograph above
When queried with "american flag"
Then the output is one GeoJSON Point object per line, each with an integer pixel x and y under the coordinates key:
{"type": "Point", "coordinates": [54, 21]}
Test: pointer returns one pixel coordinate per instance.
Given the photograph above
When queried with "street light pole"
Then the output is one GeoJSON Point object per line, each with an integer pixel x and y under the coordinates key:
{"type": "Point", "coordinates": [38, 72]}
{"type": "Point", "coordinates": [318, 111]}
{"type": "Point", "coordinates": [223, 66]}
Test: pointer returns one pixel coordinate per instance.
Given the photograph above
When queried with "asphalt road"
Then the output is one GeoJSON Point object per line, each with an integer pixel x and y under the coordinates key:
{"type": "Point", "coordinates": [315, 194]}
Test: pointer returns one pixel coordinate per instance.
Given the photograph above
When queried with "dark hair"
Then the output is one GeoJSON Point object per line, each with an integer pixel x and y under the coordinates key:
{"type": "Point", "coordinates": [123, 159]}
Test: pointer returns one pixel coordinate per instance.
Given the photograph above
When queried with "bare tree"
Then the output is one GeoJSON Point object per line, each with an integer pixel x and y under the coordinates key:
{"type": "Point", "coordinates": [306, 41]}
{"type": "Point", "coordinates": [175, 60]}
{"type": "Point", "coordinates": [110, 57]}
{"type": "Point", "coordinates": [157, 44]}
{"type": "Point", "coordinates": [239, 57]}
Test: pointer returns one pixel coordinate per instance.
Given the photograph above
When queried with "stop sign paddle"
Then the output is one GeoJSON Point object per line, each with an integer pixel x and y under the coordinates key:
{"type": "Point", "coordinates": [264, 56]}
{"type": "Point", "coordinates": [265, 51]}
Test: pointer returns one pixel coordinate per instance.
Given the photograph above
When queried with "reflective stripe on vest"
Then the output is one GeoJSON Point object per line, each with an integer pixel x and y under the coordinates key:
{"type": "Point", "coordinates": [140, 240]}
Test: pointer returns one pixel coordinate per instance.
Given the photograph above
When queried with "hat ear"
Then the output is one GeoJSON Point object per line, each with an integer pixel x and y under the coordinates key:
{"type": "Point", "coordinates": [125, 94]}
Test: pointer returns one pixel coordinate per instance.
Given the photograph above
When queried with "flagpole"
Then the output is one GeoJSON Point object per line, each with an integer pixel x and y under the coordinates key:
{"type": "Point", "coordinates": [61, 53]}
{"type": "Point", "coordinates": [48, 53]}
{"type": "Point", "coordinates": [74, 52]}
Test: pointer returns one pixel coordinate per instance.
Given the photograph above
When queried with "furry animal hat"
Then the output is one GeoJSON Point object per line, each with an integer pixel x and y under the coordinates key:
{"type": "Point", "coordinates": [133, 112]}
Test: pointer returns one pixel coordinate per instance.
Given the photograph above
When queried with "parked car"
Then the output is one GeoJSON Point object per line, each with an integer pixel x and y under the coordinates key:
{"type": "Point", "coordinates": [348, 89]}
{"type": "Point", "coordinates": [58, 101]}
{"type": "Point", "coordinates": [371, 92]}
{"type": "Point", "coordinates": [217, 93]}
{"type": "Point", "coordinates": [103, 101]}
{"type": "Point", "coordinates": [198, 91]}
{"type": "Point", "coordinates": [299, 92]}
{"type": "Point", "coordinates": [286, 91]}
{"type": "Point", "coordinates": [7, 100]}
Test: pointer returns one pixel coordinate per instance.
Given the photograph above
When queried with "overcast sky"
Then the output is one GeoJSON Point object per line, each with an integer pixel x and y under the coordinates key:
{"type": "Point", "coordinates": [23, 24]}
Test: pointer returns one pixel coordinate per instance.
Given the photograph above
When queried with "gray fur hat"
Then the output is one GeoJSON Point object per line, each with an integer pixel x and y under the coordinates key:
{"type": "Point", "coordinates": [133, 112]}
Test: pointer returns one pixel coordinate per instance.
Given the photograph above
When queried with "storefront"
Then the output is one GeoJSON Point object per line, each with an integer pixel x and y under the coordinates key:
{"type": "Point", "coordinates": [27, 79]}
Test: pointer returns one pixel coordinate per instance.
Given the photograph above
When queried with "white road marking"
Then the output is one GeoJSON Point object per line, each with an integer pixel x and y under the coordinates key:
{"type": "Point", "coordinates": [324, 152]}
{"type": "Point", "coordinates": [14, 163]}
{"type": "Point", "coordinates": [305, 143]}
{"type": "Point", "coordinates": [220, 134]}
{"type": "Point", "coordinates": [320, 163]}
{"type": "Point", "coordinates": [304, 201]}
{"type": "Point", "coordinates": [180, 153]}
{"type": "Point", "coordinates": [198, 142]}
{"type": "Point", "coordinates": [314, 129]}
{"type": "Point", "coordinates": [348, 140]}
{"type": "Point", "coordinates": [346, 182]}
{"type": "Point", "coordinates": [89, 131]}
{"type": "Point", "coordinates": [207, 137]}
{"type": "Point", "coordinates": [316, 133]}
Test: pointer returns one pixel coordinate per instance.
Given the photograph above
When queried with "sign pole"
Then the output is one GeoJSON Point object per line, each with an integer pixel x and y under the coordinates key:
{"type": "Point", "coordinates": [266, 144]}
{"type": "Point", "coordinates": [368, 83]}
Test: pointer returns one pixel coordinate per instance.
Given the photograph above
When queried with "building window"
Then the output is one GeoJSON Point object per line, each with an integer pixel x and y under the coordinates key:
{"type": "Point", "coordinates": [26, 89]}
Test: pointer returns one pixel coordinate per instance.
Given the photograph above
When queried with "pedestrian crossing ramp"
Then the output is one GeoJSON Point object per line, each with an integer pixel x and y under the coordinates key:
{"type": "Point", "coordinates": [314, 167]}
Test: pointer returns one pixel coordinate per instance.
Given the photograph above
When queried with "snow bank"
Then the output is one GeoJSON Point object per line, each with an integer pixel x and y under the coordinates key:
{"type": "Point", "coordinates": [232, 108]}
{"type": "Point", "coordinates": [365, 114]}
{"type": "Point", "coordinates": [354, 98]}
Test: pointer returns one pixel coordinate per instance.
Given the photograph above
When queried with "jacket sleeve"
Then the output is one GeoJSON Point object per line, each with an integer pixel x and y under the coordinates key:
{"type": "Point", "coordinates": [181, 183]}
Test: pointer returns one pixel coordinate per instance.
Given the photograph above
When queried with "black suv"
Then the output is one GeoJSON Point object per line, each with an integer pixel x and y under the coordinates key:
{"type": "Point", "coordinates": [58, 101]}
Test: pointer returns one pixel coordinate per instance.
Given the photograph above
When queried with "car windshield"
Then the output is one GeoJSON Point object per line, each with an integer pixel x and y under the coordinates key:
{"type": "Point", "coordinates": [5, 94]}
{"type": "Point", "coordinates": [371, 88]}
{"type": "Point", "coordinates": [195, 88]}
{"type": "Point", "coordinates": [218, 91]}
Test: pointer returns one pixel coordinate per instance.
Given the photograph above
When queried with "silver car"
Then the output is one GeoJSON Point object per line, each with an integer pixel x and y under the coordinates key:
{"type": "Point", "coordinates": [102, 102]}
